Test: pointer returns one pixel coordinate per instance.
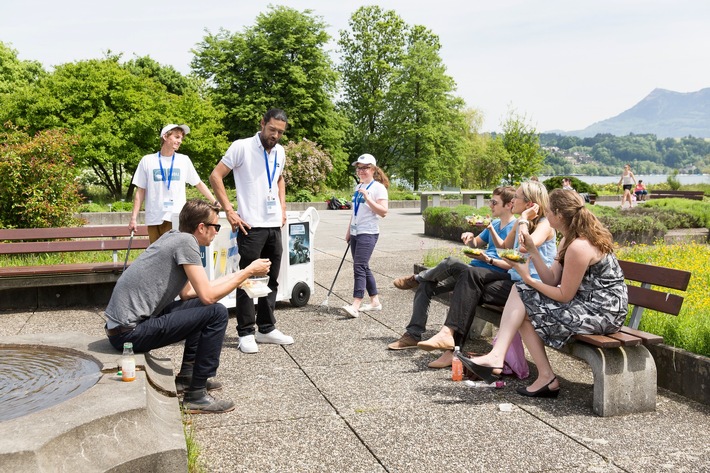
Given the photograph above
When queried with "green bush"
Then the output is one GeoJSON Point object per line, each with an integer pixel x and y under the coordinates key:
{"type": "Point", "coordinates": [121, 206]}
{"type": "Point", "coordinates": [452, 216]}
{"type": "Point", "coordinates": [307, 166]}
{"type": "Point", "coordinates": [696, 210]}
{"type": "Point", "coordinates": [301, 196]}
{"type": "Point", "coordinates": [556, 183]}
{"type": "Point", "coordinates": [92, 207]}
{"type": "Point", "coordinates": [37, 179]}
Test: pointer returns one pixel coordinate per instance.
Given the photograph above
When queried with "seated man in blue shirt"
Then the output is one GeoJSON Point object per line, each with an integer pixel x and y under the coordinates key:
{"type": "Point", "coordinates": [443, 277]}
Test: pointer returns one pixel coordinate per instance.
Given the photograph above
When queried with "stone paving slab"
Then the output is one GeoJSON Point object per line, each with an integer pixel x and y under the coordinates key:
{"type": "Point", "coordinates": [338, 400]}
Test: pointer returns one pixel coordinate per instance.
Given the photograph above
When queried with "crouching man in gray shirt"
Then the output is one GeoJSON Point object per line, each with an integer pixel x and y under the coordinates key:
{"type": "Point", "coordinates": [143, 309]}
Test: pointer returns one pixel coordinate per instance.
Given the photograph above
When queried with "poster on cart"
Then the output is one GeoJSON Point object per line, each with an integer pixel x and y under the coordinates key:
{"type": "Point", "coordinates": [299, 243]}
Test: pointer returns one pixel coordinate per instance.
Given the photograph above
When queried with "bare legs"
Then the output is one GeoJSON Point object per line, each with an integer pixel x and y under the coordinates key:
{"type": "Point", "coordinates": [515, 319]}
{"type": "Point", "coordinates": [626, 198]}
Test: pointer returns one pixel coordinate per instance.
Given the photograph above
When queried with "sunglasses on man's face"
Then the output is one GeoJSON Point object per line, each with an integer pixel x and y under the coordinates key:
{"type": "Point", "coordinates": [216, 226]}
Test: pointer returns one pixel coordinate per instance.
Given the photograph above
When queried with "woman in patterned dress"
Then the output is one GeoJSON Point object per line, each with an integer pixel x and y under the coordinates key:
{"type": "Point", "coordinates": [582, 292]}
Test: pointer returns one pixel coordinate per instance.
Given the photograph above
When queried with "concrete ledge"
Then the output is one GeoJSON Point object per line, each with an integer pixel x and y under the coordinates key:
{"type": "Point", "coordinates": [113, 426]}
{"type": "Point", "coordinates": [683, 372]}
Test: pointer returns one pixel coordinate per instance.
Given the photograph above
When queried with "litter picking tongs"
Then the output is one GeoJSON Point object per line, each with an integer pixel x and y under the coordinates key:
{"type": "Point", "coordinates": [125, 262]}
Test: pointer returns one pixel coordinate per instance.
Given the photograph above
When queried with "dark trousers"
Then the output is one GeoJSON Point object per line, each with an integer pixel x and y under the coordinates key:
{"type": "Point", "coordinates": [434, 281]}
{"type": "Point", "coordinates": [259, 243]}
{"type": "Point", "coordinates": [475, 286]}
{"type": "Point", "coordinates": [361, 248]}
{"type": "Point", "coordinates": [201, 326]}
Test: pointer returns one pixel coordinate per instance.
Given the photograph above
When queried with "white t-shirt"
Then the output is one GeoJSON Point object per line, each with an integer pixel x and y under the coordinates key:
{"type": "Point", "coordinates": [366, 219]}
{"type": "Point", "coordinates": [161, 203]}
{"type": "Point", "coordinates": [245, 158]}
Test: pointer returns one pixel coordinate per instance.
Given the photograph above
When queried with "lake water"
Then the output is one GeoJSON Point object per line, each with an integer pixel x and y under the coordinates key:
{"type": "Point", "coordinates": [647, 179]}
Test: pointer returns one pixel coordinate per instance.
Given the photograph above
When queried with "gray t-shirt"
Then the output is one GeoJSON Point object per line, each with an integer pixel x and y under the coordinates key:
{"type": "Point", "coordinates": [153, 280]}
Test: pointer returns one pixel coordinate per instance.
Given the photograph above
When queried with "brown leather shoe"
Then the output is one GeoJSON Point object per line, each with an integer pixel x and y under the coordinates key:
{"type": "Point", "coordinates": [405, 341]}
{"type": "Point", "coordinates": [407, 282]}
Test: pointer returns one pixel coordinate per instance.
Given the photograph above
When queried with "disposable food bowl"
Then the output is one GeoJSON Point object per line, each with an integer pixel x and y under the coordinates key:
{"type": "Point", "coordinates": [256, 287]}
{"type": "Point", "coordinates": [477, 220]}
{"type": "Point", "coordinates": [471, 251]}
{"type": "Point", "coordinates": [513, 255]}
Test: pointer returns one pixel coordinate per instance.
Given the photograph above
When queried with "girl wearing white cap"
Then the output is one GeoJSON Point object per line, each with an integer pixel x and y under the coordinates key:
{"type": "Point", "coordinates": [369, 203]}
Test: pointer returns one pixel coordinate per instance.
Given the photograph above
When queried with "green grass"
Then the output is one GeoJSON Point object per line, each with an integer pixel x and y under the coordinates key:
{"type": "Point", "coordinates": [194, 464]}
{"type": "Point", "coordinates": [46, 259]}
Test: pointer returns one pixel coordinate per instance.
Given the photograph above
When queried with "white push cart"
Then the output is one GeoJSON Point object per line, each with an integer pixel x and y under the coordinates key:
{"type": "Point", "coordinates": [296, 281]}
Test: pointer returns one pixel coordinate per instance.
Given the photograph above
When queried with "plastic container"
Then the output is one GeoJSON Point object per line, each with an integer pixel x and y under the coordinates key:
{"type": "Point", "coordinates": [256, 287]}
{"type": "Point", "coordinates": [483, 384]}
{"type": "Point", "coordinates": [128, 363]}
{"type": "Point", "coordinates": [456, 366]}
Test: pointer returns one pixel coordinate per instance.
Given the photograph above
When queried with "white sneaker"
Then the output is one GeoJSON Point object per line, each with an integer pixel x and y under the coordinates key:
{"type": "Point", "coordinates": [351, 310]}
{"type": "Point", "coordinates": [275, 336]}
{"type": "Point", "coordinates": [247, 344]}
{"type": "Point", "coordinates": [366, 307]}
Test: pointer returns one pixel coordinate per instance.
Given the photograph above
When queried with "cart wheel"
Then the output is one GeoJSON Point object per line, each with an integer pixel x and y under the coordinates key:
{"type": "Point", "coordinates": [300, 294]}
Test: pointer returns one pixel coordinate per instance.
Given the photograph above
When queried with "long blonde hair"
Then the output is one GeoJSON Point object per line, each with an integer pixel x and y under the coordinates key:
{"type": "Point", "coordinates": [578, 221]}
{"type": "Point", "coordinates": [535, 192]}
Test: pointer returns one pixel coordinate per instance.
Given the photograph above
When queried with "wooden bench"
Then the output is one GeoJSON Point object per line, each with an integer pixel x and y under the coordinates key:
{"type": "Point", "coordinates": [68, 239]}
{"type": "Point", "coordinates": [661, 194]}
{"type": "Point", "coordinates": [623, 369]}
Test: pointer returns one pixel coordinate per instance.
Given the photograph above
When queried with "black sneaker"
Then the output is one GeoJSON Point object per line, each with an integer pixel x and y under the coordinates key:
{"type": "Point", "coordinates": [199, 402]}
{"type": "Point", "coordinates": [183, 382]}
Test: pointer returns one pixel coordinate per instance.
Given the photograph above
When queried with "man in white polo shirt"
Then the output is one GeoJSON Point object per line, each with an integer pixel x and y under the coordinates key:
{"type": "Point", "coordinates": [160, 181]}
{"type": "Point", "coordinates": [257, 164]}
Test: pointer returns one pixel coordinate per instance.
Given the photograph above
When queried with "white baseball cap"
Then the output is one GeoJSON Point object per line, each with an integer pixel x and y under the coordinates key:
{"type": "Point", "coordinates": [366, 159]}
{"type": "Point", "coordinates": [185, 129]}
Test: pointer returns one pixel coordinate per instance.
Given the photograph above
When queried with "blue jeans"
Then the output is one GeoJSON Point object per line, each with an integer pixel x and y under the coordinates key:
{"type": "Point", "coordinates": [259, 243]}
{"type": "Point", "coordinates": [201, 326]}
{"type": "Point", "coordinates": [361, 248]}
{"type": "Point", "coordinates": [437, 280]}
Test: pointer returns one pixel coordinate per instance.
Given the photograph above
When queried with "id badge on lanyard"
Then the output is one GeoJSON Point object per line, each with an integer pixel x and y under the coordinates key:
{"type": "Point", "coordinates": [271, 207]}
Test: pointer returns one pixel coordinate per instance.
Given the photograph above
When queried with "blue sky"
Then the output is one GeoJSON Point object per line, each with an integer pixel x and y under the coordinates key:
{"type": "Point", "coordinates": [562, 64]}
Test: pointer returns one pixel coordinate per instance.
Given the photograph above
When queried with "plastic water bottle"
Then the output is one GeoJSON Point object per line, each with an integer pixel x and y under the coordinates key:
{"type": "Point", "coordinates": [483, 384]}
{"type": "Point", "coordinates": [456, 366]}
{"type": "Point", "coordinates": [128, 363]}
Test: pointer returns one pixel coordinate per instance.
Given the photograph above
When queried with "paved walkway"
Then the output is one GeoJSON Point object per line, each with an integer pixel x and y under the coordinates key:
{"type": "Point", "coordinates": [338, 400]}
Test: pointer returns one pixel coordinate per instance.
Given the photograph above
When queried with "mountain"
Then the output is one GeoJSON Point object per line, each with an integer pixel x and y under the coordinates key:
{"type": "Point", "coordinates": [665, 113]}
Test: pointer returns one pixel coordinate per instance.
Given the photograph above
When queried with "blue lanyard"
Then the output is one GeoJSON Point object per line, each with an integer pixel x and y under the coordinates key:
{"type": "Point", "coordinates": [269, 175]}
{"type": "Point", "coordinates": [162, 172]}
{"type": "Point", "coordinates": [356, 197]}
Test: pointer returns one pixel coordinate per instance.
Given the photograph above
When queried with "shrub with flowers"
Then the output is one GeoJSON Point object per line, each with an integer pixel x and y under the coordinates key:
{"type": "Point", "coordinates": [307, 167]}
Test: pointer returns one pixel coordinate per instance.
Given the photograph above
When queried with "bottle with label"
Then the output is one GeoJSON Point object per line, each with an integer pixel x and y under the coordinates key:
{"type": "Point", "coordinates": [456, 366]}
{"type": "Point", "coordinates": [482, 384]}
{"type": "Point", "coordinates": [128, 363]}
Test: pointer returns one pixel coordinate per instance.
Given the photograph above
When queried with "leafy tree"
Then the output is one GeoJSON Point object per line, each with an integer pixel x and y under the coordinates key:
{"type": "Point", "coordinates": [307, 166]}
{"type": "Point", "coordinates": [522, 143]}
{"type": "Point", "coordinates": [430, 121]}
{"type": "Point", "coordinates": [174, 82]}
{"type": "Point", "coordinates": [117, 116]}
{"type": "Point", "coordinates": [279, 62]}
{"type": "Point", "coordinates": [372, 52]}
{"type": "Point", "coordinates": [38, 179]}
{"type": "Point", "coordinates": [15, 73]}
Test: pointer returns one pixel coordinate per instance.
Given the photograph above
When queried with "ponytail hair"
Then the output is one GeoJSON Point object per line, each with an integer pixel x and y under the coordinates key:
{"type": "Point", "coordinates": [578, 221]}
{"type": "Point", "coordinates": [380, 176]}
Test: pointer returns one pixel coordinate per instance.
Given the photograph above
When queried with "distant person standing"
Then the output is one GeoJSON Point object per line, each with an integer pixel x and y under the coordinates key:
{"type": "Point", "coordinates": [257, 164]}
{"type": "Point", "coordinates": [628, 181]}
{"type": "Point", "coordinates": [160, 181]}
{"type": "Point", "coordinates": [370, 202]}
{"type": "Point", "coordinates": [640, 191]}
{"type": "Point", "coordinates": [567, 184]}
